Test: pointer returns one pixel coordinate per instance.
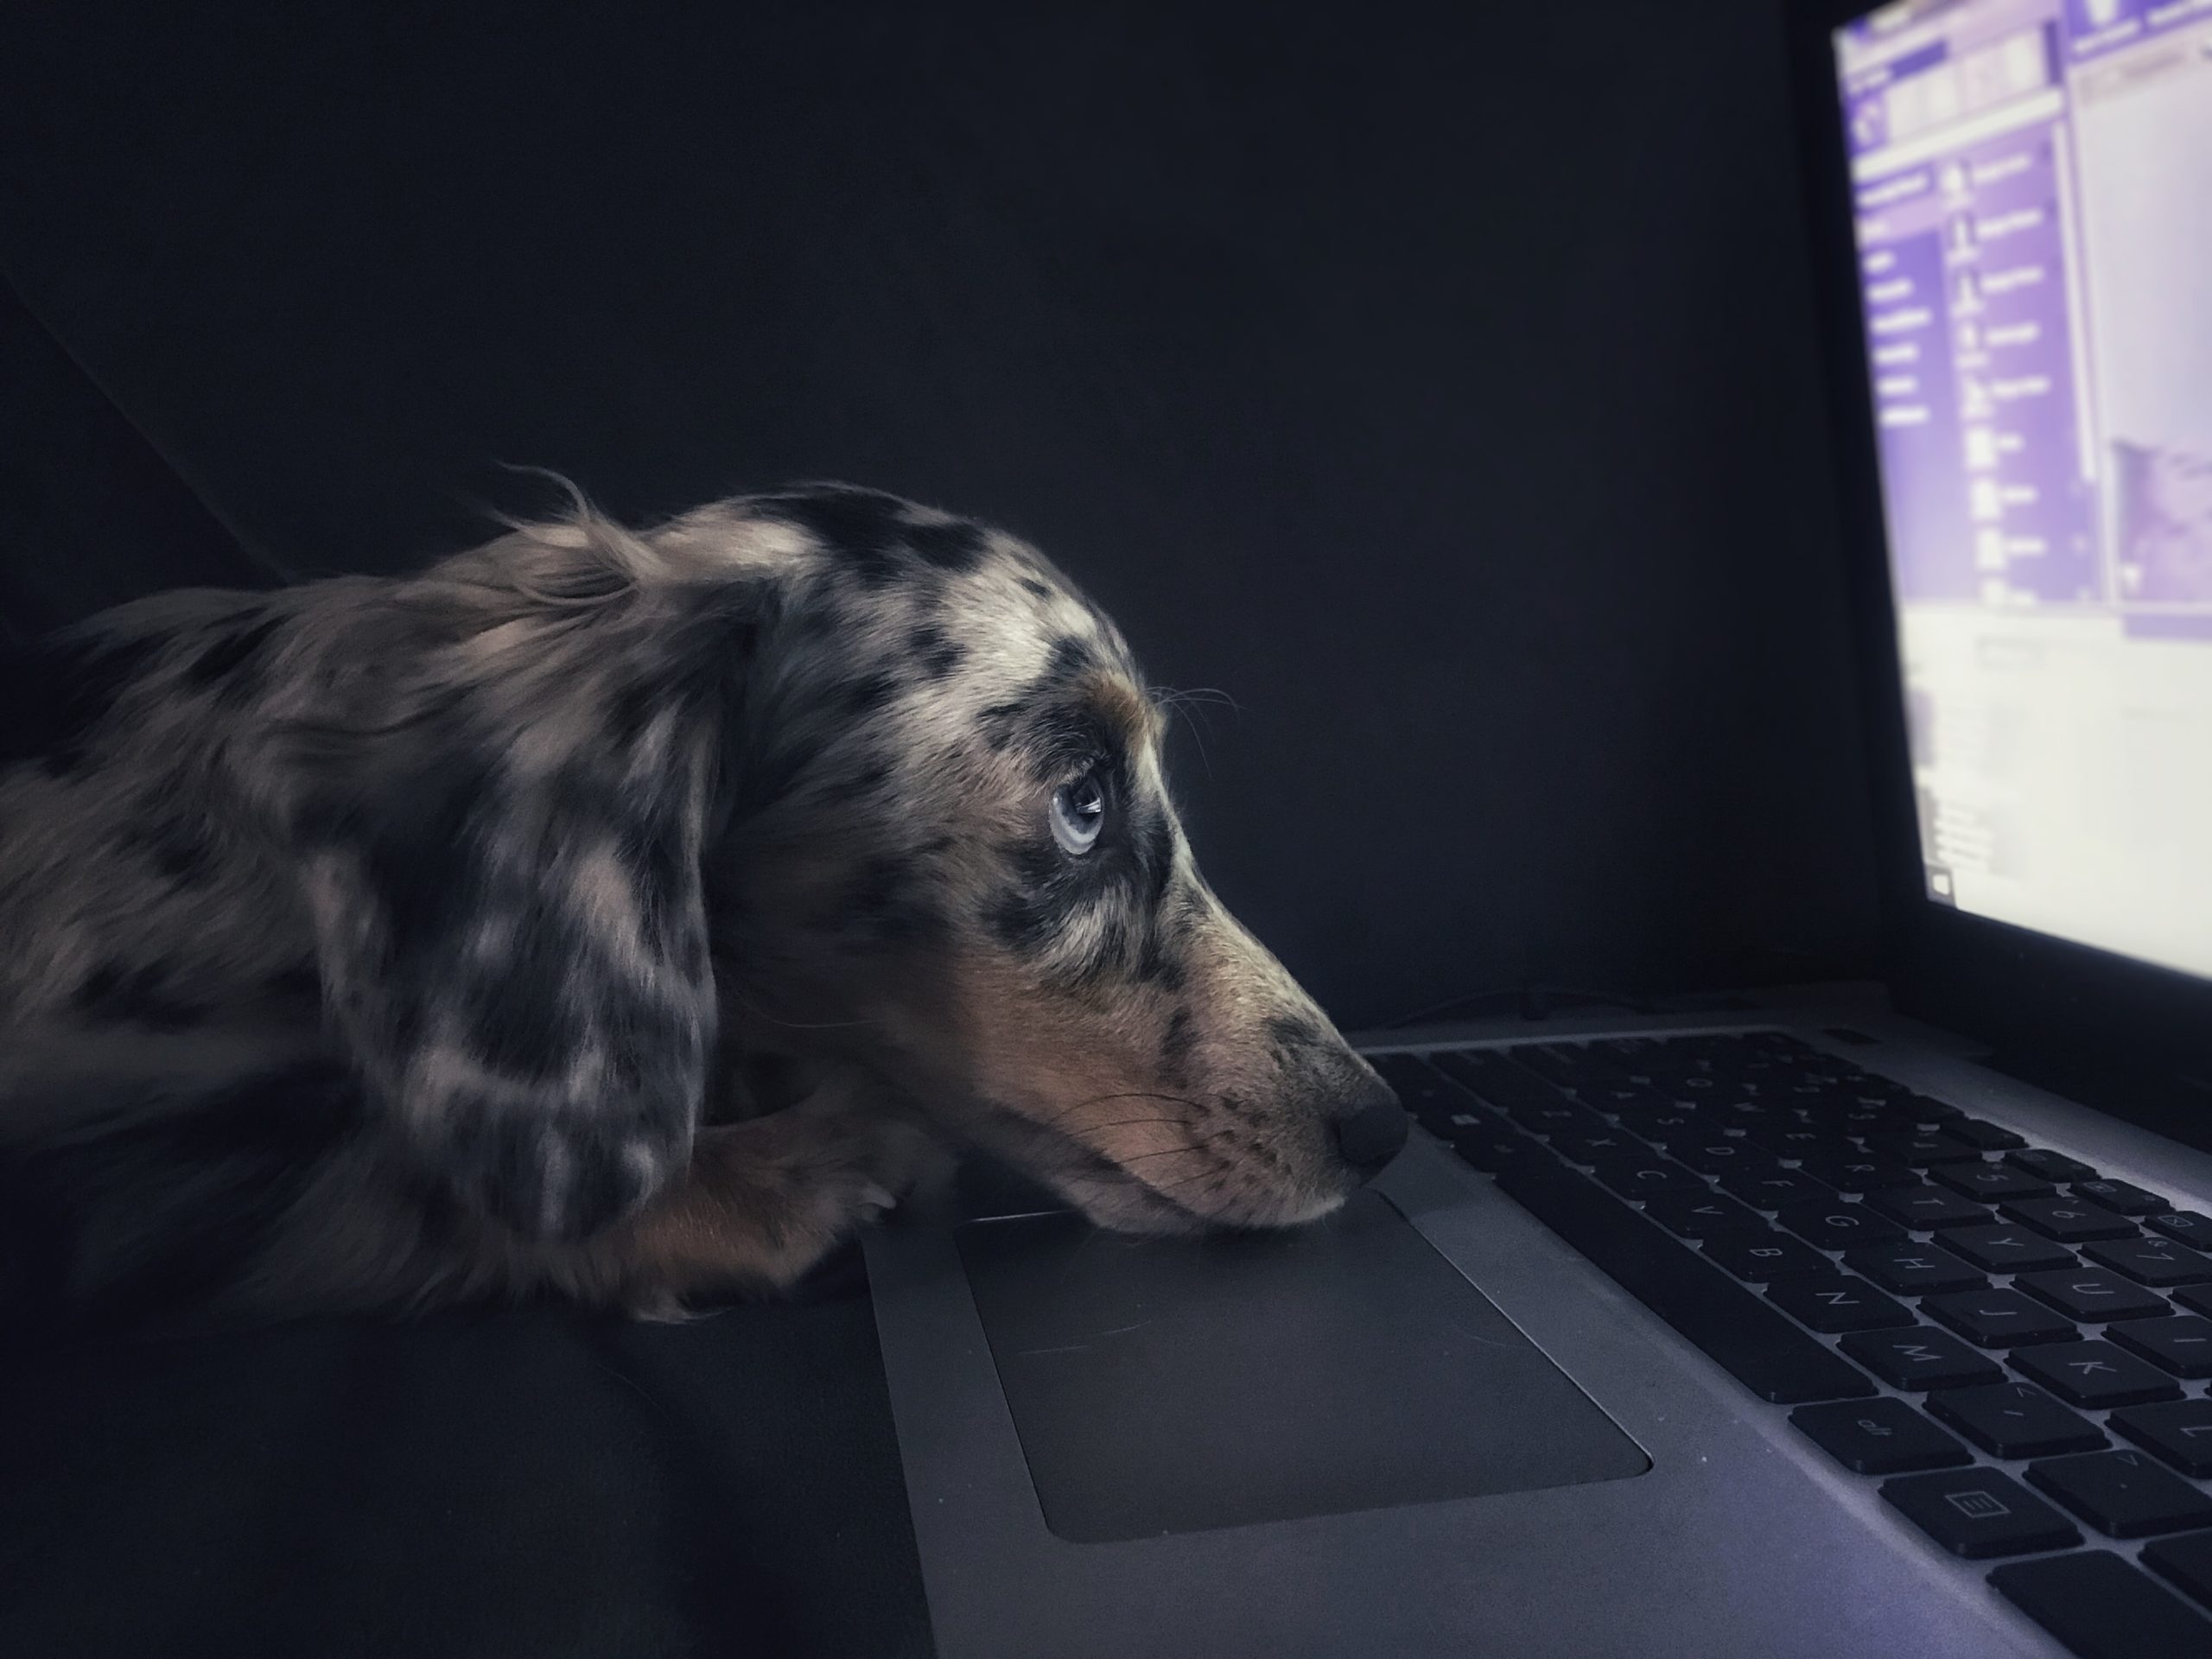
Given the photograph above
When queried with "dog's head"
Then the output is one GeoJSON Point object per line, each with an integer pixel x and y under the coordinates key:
{"type": "Point", "coordinates": [823, 774]}
{"type": "Point", "coordinates": [959, 864]}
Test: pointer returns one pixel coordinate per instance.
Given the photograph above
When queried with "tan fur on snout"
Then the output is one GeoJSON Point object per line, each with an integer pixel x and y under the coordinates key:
{"type": "Point", "coordinates": [1086, 1087]}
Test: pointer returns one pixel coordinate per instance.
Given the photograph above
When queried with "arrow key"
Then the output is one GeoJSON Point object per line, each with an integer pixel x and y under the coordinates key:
{"type": "Point", "coordinates": [2180, 1432]}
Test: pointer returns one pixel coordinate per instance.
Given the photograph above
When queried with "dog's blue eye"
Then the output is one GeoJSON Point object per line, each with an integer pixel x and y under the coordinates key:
{"type": "Point", "coordinates": [1079, 814]}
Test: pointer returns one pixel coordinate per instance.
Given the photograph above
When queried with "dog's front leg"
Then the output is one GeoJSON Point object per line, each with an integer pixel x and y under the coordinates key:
{"type": "Point", "coordinates": [763, 1200]}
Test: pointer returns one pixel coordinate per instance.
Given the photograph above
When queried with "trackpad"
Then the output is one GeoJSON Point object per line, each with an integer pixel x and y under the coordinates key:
{"type": "Point", "coordinates": [1173, 1385]}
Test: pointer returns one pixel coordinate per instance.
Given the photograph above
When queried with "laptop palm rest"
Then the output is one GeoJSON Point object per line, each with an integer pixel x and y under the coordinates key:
{"type": "Point", "coordinates": [1170, 1385]}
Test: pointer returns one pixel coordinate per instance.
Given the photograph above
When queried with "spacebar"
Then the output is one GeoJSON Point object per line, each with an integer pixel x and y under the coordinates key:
{"type": "Point", "coordinates": [1745, 1337]}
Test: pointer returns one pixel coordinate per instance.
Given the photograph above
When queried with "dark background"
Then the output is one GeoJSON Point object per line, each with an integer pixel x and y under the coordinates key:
{"type": "Point", "coordinates": [1441, 388]}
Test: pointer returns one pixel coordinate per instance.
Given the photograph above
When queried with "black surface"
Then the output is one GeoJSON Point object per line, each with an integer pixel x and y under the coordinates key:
{"type": "Point", "coordinates": [1836, 1225]}
{"type": "Point", "coordinates": [2123, 1494]}
{"type": "Point", "coordinates": [1915, 1269]}
{"type": "Point", "coordinates": [1997, 1319]}
{"type": "Point", "coordinates": [90, 514]}
{"type": "Point", "coordinates": [1764, 1256]}
{"type": "Point", "coordinates": [2006, 1249]}
{"type": "Point", "coordinates": [2014, 1420]}
{"type": "Point", "coordinates": [2103, 1608]}
{"type": "Point", "coordinates": [2094, 1374]}
{"type": "Point", "coordinates": [1925, 1207]}
{"type": "Point", "coordinates": [2186, 1225]}
{"type": "Point", "coordinates": [2187, 1562]}
{"type": "Point", "coordinates": [1835, 1305]}
{"type": "Point", "coordinates": [1989, 1182]}
{"type": "Point", "coordinates": [524, 1483]}
{"type": "Point", "coordinates": [1753, 1343]}
{"type": "Point", "coordinates": [2181, 1344]}
{"type": "Point", "coordinates": [1878, 1437]}
{"type": "Point", "coordinates": [2180, 1432]}
{"type": "Point", "coordinates": [1979, 1513]}
{"type": "Point", "coordinates": [2067, 1221]}
{"type": "Point", "coordinates": [2152, 1261]}
{"type": "Point", "coordinates": [1174, 1385]}
{"type": "Point", "coordinates": [1921, 1358]}
{"type": "Point", "coordinates": [2122, 1198]}
{"type": "Point", "coordinates": [2092, 1296]}
{"type": "Point", "coordinates": [1241, 311]}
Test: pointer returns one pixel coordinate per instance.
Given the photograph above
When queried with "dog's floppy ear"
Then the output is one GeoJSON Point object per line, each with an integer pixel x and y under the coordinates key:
{"type": "Point", "coordinates": [506, 896]}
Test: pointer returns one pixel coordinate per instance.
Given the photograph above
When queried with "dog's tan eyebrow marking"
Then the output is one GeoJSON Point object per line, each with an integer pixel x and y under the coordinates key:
{"type": "Point", "coordinates": [1133, 715]}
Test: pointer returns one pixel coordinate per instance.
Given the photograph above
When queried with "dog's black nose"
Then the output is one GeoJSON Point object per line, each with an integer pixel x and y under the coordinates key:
{"type": "Point", "coordinates": [1370, 1136]}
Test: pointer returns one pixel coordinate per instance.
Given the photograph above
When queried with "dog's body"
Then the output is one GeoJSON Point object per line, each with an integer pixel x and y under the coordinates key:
{"type": "Point", "coordinates": [623, 915]}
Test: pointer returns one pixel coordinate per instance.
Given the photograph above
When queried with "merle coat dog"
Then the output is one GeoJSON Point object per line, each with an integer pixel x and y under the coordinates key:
{"type": "Point", "coordinates": [623, 915]}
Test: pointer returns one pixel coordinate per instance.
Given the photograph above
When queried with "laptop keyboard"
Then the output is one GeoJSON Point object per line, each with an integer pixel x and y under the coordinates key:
{"type": "Point", "coordinates": [2013, 1346]}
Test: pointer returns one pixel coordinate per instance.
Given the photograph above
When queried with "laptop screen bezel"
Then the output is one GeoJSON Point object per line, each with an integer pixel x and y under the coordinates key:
{"type": "Point", "coordinates": [2028, 993]}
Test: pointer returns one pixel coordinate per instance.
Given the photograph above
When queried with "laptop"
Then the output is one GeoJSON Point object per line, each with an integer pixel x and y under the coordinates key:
{"type": "Point", "coordinates": [1844, 1320]}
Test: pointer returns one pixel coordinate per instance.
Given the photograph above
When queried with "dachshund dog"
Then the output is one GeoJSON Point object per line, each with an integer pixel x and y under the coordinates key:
{"type": "Point", "coordinates": [621, 915]}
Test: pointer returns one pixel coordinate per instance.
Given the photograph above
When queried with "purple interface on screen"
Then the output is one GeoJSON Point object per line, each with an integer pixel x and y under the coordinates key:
{"type": "Point", "coordinates": [2033, 183]}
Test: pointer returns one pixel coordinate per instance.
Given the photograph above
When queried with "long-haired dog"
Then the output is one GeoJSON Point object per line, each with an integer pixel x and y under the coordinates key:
{"type": "Point", "coordinates": [625, 916]}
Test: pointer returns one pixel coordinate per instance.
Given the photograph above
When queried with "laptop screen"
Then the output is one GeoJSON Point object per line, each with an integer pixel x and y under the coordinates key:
{"type": "Point", "coordinates": [2033, 200]}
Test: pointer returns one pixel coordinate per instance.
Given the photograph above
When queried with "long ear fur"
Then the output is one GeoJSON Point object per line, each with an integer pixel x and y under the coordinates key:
{"type": "Point", "coordinates": [500, 840]}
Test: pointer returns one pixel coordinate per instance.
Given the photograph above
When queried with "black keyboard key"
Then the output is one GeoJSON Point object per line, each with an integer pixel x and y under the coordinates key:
{"type": "Point", "coordinates": [1622, 1096]}
{"type": "Point", "coordinates": [1764, 1189]}
{"type": "Point", "coordinates": [2014, 1420]}
{"type": "Point", "coordinates": [1998, 1318]}
{"type": "Point", "coordinates": [1988, 1137]}
{"type": "Point", "coordinates": [1923, 1208]}
{"type": "Point", "coordinates": [2197, 1299]}
{"type": "Point", "coordinates": [1484, 1138]}
{"type": "Point", "coordinates": [1921, 1358]}
{"type": "Point", "coordinates": [1556, 1117]}
{"type": "Point", "coordinates": [1666, 1126]}
{"type": "Point", "coordinates": [2103, 1608]}
{"type": "Point", "coordinates": [1642, 1177]}
{"type": "Point", "coordinates": [1833, 1306]}
{"type": "Point", "coordinates": [2182, 1345]}
{"type": "Point", "coordinates": [2153, 1261]}
{"type": "Point", "coordinates": [1989, 1182]}
{"type": "Point", "coordinates": [2186, 1562]}
{"type": "Point", "coordinates": [1864, 1120]}
{"type": "Point", "coordinates": [1928, 1109]}
{"type": "Point", "coordinates": [2094, 1374]}
{"type": "Point", "coordinates": [1750, 1340]}
{"type": "Point", "coordinates": [1720, 1155]}
{"type": "Point", "coordinates": [1421, 1089]}
{"type": "Point", "coordinates": [1837, 1225]}
{"type": "Point", "coordinates": [1613, 1147]}
{"type": "Point", "coordinates": [2004, 1248]}
{"type": "Point", "coordinates": [2093, 1297]}
{"type": "Point", "coordinates": [1763, 1258]}
{"type": "Point", "coordinates": [1793, 1138]}
{"type": "Point", "coordinates": [1979, 1513]}
{"type": "Point", "coordinates": [2123, 1197]}
{"type": "Point", "coordinates": [2051, 1165]}
{"type": "Point", "coordinates": [2180, 1432]}
{"type": "Point", "coordinates": [2123, 1494]}
{"type": "Point", "coordinates": [1861, 1172]}
{"type": "Point", "coordinates": [2067, 1220]}
{"type": "Point", "coordinates": [1701, 1215]}
{"type": "Point", "coordinates": [1913, 1270]}
{"type": "Point", "coordinates": [1878, 1437]}
{"type": "Point", "coordinates": [2184, 1226]}
{"type": "Point", "coordinates": [1495, 1077]}
{"type": "Point", "coordinates": [1923, 1150]}
{"type": "Point", "coordinates": [1734, 1112]}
